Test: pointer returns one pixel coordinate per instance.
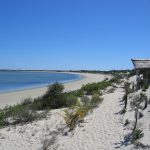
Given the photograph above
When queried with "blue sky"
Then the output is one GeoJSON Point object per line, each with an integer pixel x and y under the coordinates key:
{"type": "Point", "coordinates": [73, 34]}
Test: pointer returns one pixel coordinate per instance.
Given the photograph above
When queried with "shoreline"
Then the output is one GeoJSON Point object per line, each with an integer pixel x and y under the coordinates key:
{"type": "Point", "coordinates": [11, 98]}
{"type": "Point", "coordinates": [81, 77]}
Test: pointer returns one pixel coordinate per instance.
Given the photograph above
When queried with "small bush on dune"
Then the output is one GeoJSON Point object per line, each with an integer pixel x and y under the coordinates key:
{"type": "Point", "coordinates": [54, 90]}
{"type": "Point", "coordinates": [137, 100]}
{"type": "Point", "coordinates": [137, 134]}
{"type": "Point", "coordinates": [16, 114]}
{"type": "Point", "coordinates": [116, 79]}
{"type": "Point", "coordinates": [92, 88]}
{"type": "Point", "coordinates": [53, 98]}
{"type": "Point", "coordinates": [145, 87]}
{"type": "Point", "coordinates": [83, 110]}
{"type": "Point", "coordinates": [78, 93]}
{"type": "Point", "coordinates": [39, 104]}
{"type": "Point", "coordinates": [71, 118]}
{"type": "Point", "coordinates": [85, 100]}
{"type": "Point", "coordinates": [96, 100]}
{"type": "Point", "coordinates": [71, 100]}
{"type": "Point", "coordinates": [24, 116]}
{"type": "Point", "coordinates": [75, 115]}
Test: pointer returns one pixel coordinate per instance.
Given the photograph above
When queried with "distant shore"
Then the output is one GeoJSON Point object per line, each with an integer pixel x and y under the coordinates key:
{"type": "Point", "coordinates": [12, 98]}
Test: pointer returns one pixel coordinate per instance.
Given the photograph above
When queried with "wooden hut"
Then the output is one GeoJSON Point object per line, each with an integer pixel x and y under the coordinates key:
{"type": "Point", "coordinates": [142, 68]}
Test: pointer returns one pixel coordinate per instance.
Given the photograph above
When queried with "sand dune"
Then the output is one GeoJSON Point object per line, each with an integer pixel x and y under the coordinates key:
{"type": "Point", "coordinates": [102, 130]}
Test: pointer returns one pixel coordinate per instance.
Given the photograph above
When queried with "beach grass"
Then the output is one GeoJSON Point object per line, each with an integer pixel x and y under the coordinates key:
{"type": "Point", "coordinates": [55, 98]}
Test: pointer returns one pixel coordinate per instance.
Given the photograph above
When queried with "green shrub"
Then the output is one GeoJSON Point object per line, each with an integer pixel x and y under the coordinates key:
{"type": "Point", "coordinates": [145, 86]}
{"type": "Point", "coordinates": [137, 100]}
{"type": "Point", "coordinates": [92, 88]}
{"type": "Point", "coordinates": [137, 134]}
{"type": "Point", "coordinates": [78, 93]}
{"type": "Point", "coordinates": [71, 118]}
{"type": "Point", "coordinates": [24, 115]}
{"type": "Point", "coordinates": [139, 145]}
{"type": "Point", "coordinates": [54, 98]}
{"type": "Point", "coordinates": [85, 100]}
{"type": "Point", "coordinates": [17, 114]}
{"type": "Point", "coordinates": [96, 100]}
{"type": "Point", "coordinates": [83, 110]}
{"type": "Point", "coordinates": [71, 100]}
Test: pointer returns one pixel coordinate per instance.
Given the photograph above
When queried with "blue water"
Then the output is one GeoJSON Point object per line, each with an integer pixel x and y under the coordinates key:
{"type": "Point", "coordinates": [19, 80]}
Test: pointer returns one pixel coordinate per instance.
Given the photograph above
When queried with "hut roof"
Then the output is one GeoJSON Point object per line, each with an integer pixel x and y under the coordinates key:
{"type": "Point", "coordinates": [141, 63]}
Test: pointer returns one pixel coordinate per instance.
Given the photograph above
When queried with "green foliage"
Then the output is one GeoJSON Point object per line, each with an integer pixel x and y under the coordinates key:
{"type": "Point", "coordinates": [76, 114]}
{"type": "Point", "coordinates": [85, 100]}
{"type": "Point", "coordinates": [145, 87]}
{"type": "Point", "coordinates": [83, 110]}
{"type": "Point", "coordinates": [53, 98]}
{"type": "Point", "coordinates": [92, 88]}
{"type": "Point", "coordinates": [71, 100]}
{"type": "Point", "coordinates": [137, 134]}
{"type": "Point", "coordinates": [78, 93]}
{"type": "Point", "coordinates": [96, 99]}
{"type": "Point", "coordinates": [17, 114]}
{"type": "Point", "coordinates": [71, 118]}
{"type": "Point", "coordinates": [139, 145]}
{"type": "Point", "coordinates": [116, 80]}
{"type": "Point", "coordinates": [138, 100]}
{"type": "Point", "coordinates": [95, 88]}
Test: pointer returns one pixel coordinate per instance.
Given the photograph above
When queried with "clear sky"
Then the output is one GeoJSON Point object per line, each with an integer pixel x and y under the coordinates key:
{"type": "Point", "coordinates": [73, 34]}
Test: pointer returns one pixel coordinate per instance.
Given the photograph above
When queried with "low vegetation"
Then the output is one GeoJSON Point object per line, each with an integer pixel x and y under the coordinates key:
{"type": "Point", "coordinates": [137, 134]}
{"type": "Point", "coordinates": [20, 113]}
{"type": "Point", "coordinates": [96, 88]}
{"type": "Point", "coordinates": [75, 115]}
{"type": "Point", "coordinates": [30, 109]}
{"type": "Point", "coordinates": [138, 103]}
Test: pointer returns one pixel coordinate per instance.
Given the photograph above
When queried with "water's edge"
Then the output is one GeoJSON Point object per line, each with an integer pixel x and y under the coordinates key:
{"type": "Point", "coordinates": [80, 77]}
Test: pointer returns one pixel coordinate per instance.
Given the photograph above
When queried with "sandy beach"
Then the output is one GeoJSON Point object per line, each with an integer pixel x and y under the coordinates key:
{"type": "Point", "coordinates": [12, 98]}
{"type": "Point", "coordinates": [102, 129]}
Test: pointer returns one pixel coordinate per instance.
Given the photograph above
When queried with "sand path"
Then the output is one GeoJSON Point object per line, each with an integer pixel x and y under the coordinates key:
{"type": "Point", "coordinates": [102, 130]}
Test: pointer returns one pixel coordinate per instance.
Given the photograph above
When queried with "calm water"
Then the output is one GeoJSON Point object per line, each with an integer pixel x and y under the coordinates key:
{"type": "Point", "coordinates": [18, 80]}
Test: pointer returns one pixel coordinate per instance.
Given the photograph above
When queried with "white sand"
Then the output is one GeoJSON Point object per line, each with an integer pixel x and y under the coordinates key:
{"type": "Point", "coordinates": [18, 96]}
